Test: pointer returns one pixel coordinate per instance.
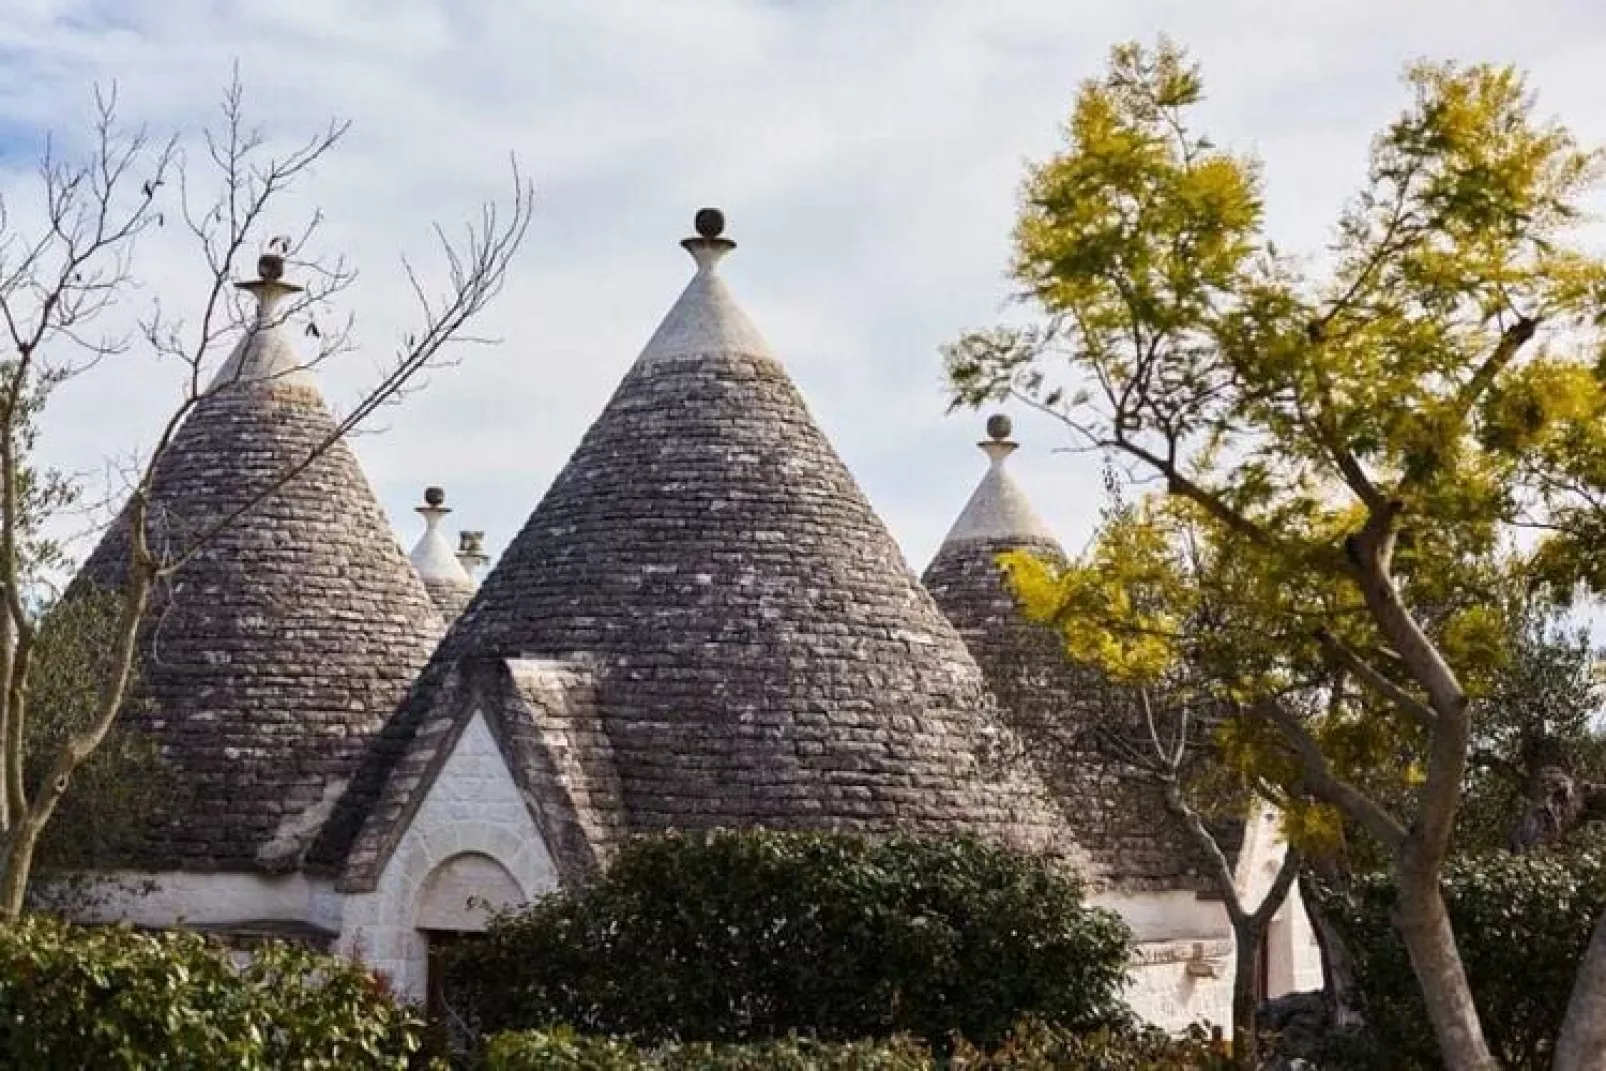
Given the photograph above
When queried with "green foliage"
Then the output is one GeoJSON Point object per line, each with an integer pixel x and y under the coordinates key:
{"type": "Point", "coordinates": [1438, 383]}
{"type": "Point", "coordinates": [112, 997]}
{"type": "Point", "coordinates": [752, 935]}
{"type": "Point", "coordinates": [1539, 709]}
{"type": "Point", "coordinates": [1347, 444]}
{"type": "Point", "coordinates": [115, 790]}
{"type": "Point", "coordinates": [1030, 1047]}
{"type": "Point", "coordinates": [1034, 1046]}
{"type": "Point", "coordinates": [1522, 924]}
{"type": "Point", "coordinates": [564, 1050]}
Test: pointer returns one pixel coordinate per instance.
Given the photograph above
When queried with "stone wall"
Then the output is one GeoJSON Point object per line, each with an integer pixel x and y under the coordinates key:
{"type": "Point", "coordinates": [1174, 983]}
{"type": "Point", "coordinates": [1183, 968]}
{"type": "Point", "coordinates": [208, 901]}
{"type": "Point", "coordinates": [472, 810]}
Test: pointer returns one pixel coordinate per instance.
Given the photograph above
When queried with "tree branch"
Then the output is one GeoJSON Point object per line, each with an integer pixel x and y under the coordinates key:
{"type": "Point", "coordinates": [1370, 552]}
{"type": "Point", "coordinates": [1287, 874]}
{"type": "Point", "coordinates": [1341, 656]}
{"type": "Point", "coordinates": [477, 272]}
{"type": "Point", "coordinates": [1324, 784]}
{"type": "Point", "coordinates": [1220, 869]}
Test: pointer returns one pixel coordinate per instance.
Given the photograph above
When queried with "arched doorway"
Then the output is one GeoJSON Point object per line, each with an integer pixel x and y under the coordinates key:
{"type": "Point", "coordinates": [455, 901]}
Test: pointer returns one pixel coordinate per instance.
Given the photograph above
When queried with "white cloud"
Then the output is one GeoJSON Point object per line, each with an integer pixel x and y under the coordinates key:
{"type": "Point", "coordinates": [867, 155]}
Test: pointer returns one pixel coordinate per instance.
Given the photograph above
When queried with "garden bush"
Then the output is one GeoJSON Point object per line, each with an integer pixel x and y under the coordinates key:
{"type": "Point", "coordinates": [113, 997]}
{"type": "Point", "coordinates": [1032, 1047]}
{"type": "Point", "coordinates": [740, 936]}
{"type": "Point", "coordinates": [1522, 924]}
{"type": "Point", "coordinates": [564, 1050]}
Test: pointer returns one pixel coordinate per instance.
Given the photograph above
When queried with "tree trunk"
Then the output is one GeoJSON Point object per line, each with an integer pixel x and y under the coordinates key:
{"type": "Point", "coordinates": [1338, 966]}
{"type": "Point", "coordinates": [1424, 926]}
{"type": "Point", "coordinates": [1582, 1045]}
{"type": "Point", "coordinates": [18, 866]}
{"type": "Point", "coordinates": [1245, 1027]}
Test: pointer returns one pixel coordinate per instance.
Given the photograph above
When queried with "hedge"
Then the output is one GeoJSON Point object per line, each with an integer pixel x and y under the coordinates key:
{"type": "Point", "coordinates": [1031, 1047]}
{"type": "Point", "coordinates": [564, 1050]}
{"type": "Point", "coordinates": [1522, 924]}
{"type": "Point", "coordinates": [113, 997]}
{"type": "Point", "coordinates": [753, 935]}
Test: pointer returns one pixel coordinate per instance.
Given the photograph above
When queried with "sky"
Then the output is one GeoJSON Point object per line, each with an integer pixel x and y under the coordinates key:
{"type": "Point", "coordinates": [867, 155]}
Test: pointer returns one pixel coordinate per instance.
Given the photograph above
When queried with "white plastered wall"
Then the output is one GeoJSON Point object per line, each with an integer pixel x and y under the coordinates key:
{"type": "Point", "coordinates": [472, 829]}
{"type": "Point", "coordinates": [1294, 961]}
{"type": "Point", "coordinates": [1182, 971]}
{"type": "Point", "coordinates": [185, 898]}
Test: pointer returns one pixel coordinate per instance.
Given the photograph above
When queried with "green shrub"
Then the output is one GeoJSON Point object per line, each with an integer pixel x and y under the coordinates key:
{"type": "Point", "coordinates": [113, 997]}
{"type": "Point", "coordinates": [563, 1050]}
{"type": "Point", "coordinates": [1032, 1047]}
{"type": "Point", "coordinates": [1521, 923]}
{"type": "Point", "coordinates": [753, 935]}
{"type": "Point", "coordinates": [1035, 1046]}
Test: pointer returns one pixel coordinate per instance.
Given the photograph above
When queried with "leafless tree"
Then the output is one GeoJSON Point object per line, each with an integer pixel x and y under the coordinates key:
{"type": "Point", "coordinates": [1166, 748]}
{"type": "Point", "coordinates": [62, 277]}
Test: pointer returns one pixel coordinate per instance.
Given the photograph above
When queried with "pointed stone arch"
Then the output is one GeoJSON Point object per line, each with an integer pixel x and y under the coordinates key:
{"type": "Point", "coordinates": [472, 837]}
{"type": "Point", "coordinates": [462, 892]}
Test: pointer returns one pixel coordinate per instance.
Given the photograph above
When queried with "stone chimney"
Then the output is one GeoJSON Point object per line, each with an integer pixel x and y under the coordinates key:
{"type": "Point", "coordinates": [471, 552]}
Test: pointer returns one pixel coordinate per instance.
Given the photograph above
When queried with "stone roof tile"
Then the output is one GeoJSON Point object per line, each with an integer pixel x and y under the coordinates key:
{"type": "Point", "coordinates": [271, 656]}
{"type": "Point", "coordinates": [1046, 698]}
{"type": "Point", "coordinates": [761, 653]}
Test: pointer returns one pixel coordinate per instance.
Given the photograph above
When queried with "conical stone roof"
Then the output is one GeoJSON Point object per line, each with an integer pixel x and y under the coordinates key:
{"type": "Point", "coordinates": [271, 656]}
{"type": "Point", "coordinates": [761, 653]}
{"type": "Point", "coordinates": [1046, 698]}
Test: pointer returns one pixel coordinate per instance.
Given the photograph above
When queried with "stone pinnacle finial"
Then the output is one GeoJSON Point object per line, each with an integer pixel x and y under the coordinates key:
{"type": "Point", "coordinates": [710, 222]}
{"type": "Point", "coordinates": [471, 551]}
{"type": "Point", "coordinates": [710, 244]}
{"type": "Point", "coordinates": [999, 445]}
{"type": "Point", "coordinates": [434, 506]}
{"type": "Point", "coordinates": [269, 286]}
{"type": "Point", "coordinates": [439, 569]}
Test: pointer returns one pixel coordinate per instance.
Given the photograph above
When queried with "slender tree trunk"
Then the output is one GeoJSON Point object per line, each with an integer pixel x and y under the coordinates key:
{"type": "Point", "coordinates": [1582, 1045]}
{"type": "Point", "coordinates": [1338, 966]}
{"type": "Point", "coordinates": [1423, 923]}
{"type": "Point", "coordinates": [1245, 1025]}
{"type": "Point", "coordinates": [19, 846]}
{"type": "Point", "coordinates": [18, 866]}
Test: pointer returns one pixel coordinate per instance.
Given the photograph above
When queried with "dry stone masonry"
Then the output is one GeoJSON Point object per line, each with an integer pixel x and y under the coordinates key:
{"type": "Point", "coordinates": [270, 657]}
{"type": "Point", "coordinates": [761, 653]}
{"type": "Point", "coordinates": [1141, 864]}
{"type": "Point", "coordinates": [703, 623]}
{"type": "Point", "coordinates": [1050, 701]}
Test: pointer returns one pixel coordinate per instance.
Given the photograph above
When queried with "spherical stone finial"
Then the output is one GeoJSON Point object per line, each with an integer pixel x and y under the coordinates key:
{"type": "Point", "coordinates": [999, 426]}
{"type": "Point", "coordinates": [710, 222]}
{"type": "Point", "coordinates": [434, 496]}
{"type": "Point", "coordinates": [270, 267]}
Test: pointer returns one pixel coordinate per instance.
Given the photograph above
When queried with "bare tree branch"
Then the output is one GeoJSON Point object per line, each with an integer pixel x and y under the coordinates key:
{"type": "Point", "coordinates": [55, 284]}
